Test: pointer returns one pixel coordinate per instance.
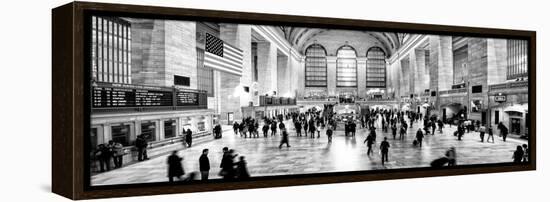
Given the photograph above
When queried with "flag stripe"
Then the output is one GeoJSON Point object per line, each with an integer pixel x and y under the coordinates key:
{"type": "Point", "coordinates": [238, 52]}
{"type": "Point", "coordinates": [228, 62]}
{"type": "Point", "coordinates": [221, 67]}
{"type": "Point", "coordinates": [220, 64]}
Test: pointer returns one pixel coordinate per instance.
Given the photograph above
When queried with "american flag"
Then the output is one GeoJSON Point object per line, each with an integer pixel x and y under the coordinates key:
{"type": "Point", "coordinates": [222, 56]}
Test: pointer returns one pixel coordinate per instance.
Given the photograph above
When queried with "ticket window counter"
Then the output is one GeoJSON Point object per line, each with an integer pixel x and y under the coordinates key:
{"type": "Point", "coordinates": [121, 134]}
{"type": "Point", "coordinates": [515, 126]}
{"type": "Point", "coordinates": [148, 129]}
{"type": "Point", "coordinates": [169, 129]}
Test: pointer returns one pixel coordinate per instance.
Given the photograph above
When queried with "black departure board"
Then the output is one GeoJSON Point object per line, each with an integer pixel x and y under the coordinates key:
{"type": "Point", "coordinates": [105, 97]}
{"type": "Point", "coordinates": [126, 96]}
{"type": "Point", "coordinates": [184, 98]}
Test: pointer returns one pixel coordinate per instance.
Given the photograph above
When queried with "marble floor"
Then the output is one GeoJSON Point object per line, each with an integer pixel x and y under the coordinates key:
{"type": "Point", "coordinates": [316, 155]}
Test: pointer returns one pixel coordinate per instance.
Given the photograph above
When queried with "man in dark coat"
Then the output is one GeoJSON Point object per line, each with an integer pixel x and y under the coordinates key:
{"type": "Point", "coordinates": [175, 168]}
{"type": "Point", "coordinates": [104, 155]}
{"type": "Point", "coordinates": [298, 128]}
{"type": "Point", "coordinates": [370, 141]}
{"type": "Point", "coordinates": [218, 131]}
{"type": "Point", "coordinates": [227, 165]}
{"type": "Point", "coordinates": [419, 137]}
{"type": "Point", "coordinates": [273, 128]}
{"type": "Point", "coordinates": [235, 127]}
{"type": "Point", "coordinates": [189, 137]}
{"type": "Point", "coordinates": [384, 149]}
{"type": "Point", "coordinates": [281, 127]}
{"type": "Point", "coordinates": [242, 170]}
{"type": "Point", "coordinates": [265, 128]}
{"type": "Point", "coordinates": [284, 138]}
{"type": "Point", "coordinates": [141, 145]}
{"type": "Point", "coordinates": [353, 128]}
{"type": "Point", "coordinates": [204, 165]}
{"type": "Point", "coordinates": [394, 130]}
{"type": "Point", "coordinates": [329, 134]}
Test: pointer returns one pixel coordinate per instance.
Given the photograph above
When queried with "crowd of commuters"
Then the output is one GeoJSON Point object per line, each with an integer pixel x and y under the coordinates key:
{"type": "Point", "coordinates": [310, 124]}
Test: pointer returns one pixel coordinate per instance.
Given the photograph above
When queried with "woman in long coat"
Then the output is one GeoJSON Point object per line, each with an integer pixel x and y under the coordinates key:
{"type": "Point", "coordinates": [175, 168]}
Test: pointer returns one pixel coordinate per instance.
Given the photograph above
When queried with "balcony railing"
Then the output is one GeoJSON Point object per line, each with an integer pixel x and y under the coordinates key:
{"type": "Point", "coordinates": [510, 85]}
{"type": "Point", "coordinates": [452, 91]}
{"type": "Point", "coordinates": [276, 101]}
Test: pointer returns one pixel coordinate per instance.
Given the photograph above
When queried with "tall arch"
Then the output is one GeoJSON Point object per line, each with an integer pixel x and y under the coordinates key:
{"type": "Point", "coordinates": [316, 66]}
{"type": "Point", "coordinates": [376, 68]}
{"type": "Point", "coordinates": [346, 67]}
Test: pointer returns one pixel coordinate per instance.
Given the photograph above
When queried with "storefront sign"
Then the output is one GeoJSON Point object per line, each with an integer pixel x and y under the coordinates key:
{"type": "Point", "coordinates": [500, 98]}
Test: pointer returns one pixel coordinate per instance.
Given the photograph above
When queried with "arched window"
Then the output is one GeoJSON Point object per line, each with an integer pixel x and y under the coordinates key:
{"type": "Point", "coordinates": [346, 69]}
{"type": "Point", "coordinates": [316, 66]}
{"type": "Point", "coordinates": [376, 68]}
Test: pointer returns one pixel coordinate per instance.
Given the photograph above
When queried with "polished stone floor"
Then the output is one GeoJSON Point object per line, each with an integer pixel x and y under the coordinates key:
{"type": "Point", "coordinates": [316, 155]}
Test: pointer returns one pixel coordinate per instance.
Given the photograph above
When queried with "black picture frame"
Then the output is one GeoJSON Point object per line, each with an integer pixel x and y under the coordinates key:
{"type": "Point", "coordinates": [71, 103]}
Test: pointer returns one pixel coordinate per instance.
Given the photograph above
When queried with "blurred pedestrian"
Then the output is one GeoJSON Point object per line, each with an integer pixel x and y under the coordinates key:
{"type": "Point", "coordinates": [175, 168]}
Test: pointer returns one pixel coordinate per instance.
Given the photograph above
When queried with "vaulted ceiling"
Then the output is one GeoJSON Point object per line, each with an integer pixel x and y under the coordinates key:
{"type": "Point", "coordinates": [301, 37]}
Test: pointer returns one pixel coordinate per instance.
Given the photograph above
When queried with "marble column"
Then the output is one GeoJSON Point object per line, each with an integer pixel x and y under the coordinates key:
{"type": "Point", "coordinates": [441, 62]}
{"type": "Point", "coordinates": [331, 75]}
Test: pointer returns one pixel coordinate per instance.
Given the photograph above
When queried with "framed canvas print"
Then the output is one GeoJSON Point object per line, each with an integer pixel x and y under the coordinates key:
{"type": "Point", "coordinates": [156, 100]}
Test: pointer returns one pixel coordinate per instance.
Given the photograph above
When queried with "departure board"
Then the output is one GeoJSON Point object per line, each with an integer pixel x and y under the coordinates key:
{"type": "Point", "coordinates": [106, 97]}
{"type": "Point", "coordinates": [184, 98]}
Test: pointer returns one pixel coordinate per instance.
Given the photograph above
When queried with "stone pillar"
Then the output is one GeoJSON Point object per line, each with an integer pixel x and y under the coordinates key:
{"type": "Point", "coordinates": [267, 68]}
{"type": "Point", "coordinates": [148, 52]}
{"type": "Point", "coordinates": [413, 73]}
{"type": "Point", "coordinates": [404, 77]}
{"type": "Point", "coordinates": [331, 75]}
{"type": "Point", "coordinates": [422, 80]}
{"type": "Point", "coordinates": [180, 51]}
{"type": "Point", "coordinates": [362, 76]}
{"type": "Point", "coordinates": [496, 61]}
{"type": "Point", "coordinates": [240, 36]}
{"type": "Point", "coordinates": [283, 80]}
{"type": "Point", "coordinates": [162, 49]}
{"type": "Point", "coordinates": [441, 62]}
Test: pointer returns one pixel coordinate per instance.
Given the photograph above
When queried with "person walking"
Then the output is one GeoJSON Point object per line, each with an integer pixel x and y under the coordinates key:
{"type": "Point", "coordinates": [189, 137]}
{"type": "Point", "coordinates": [312, 129]}
{"type": "Point", "coordinates": [419, 137]}
{"type": "Point", "coordinates": [118, 152]}
{"type": "Point", "coordinates": [298, 127]}
{"type": "Point", "coordinates": [504, 132]}
{"type": "Point", "coordinates": [204, 165]}
{"type": "Point", "coordinates": [329, 134]}
{"type": "Point", "coordinates": [141, 145]}
{"type": "Point", "coordinates": [402, 132]}
{"type": "Point", "coordinates": [394, 130]}
{"type": "Point", "coordinates": [265, 128]}
{"type": "Point", "coordinates": [273, 128]}
{"type": "Point", "coordinates": [235, 127]}
{"type": "Point", "coordinates": [242, 170]}
{"type": "Point", "coordinates": [384, 149]}
{"type": "Point", "coordinates": [284, 138]}
{"type": "Point", "coordinates": [370, 141]}
{"type": "Point", "coordinates": [175, 168]}
{"type": "Point", "coordinates": [281, 127]}
{"type": "Point", "coordinates": [490, 134]}
{"type": "Point", "coordinates": [104, 155]}
{"type": "Point", "coordinates": [227, 165]}
{"type": "Point", "coordinates": [217, 131]}
{"type": "Point", "coordinates": [518, 154]}
{"type": "Point", "coordinates": [482, 132]}
{"type": "Point", "coordinates": [440, 125]}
